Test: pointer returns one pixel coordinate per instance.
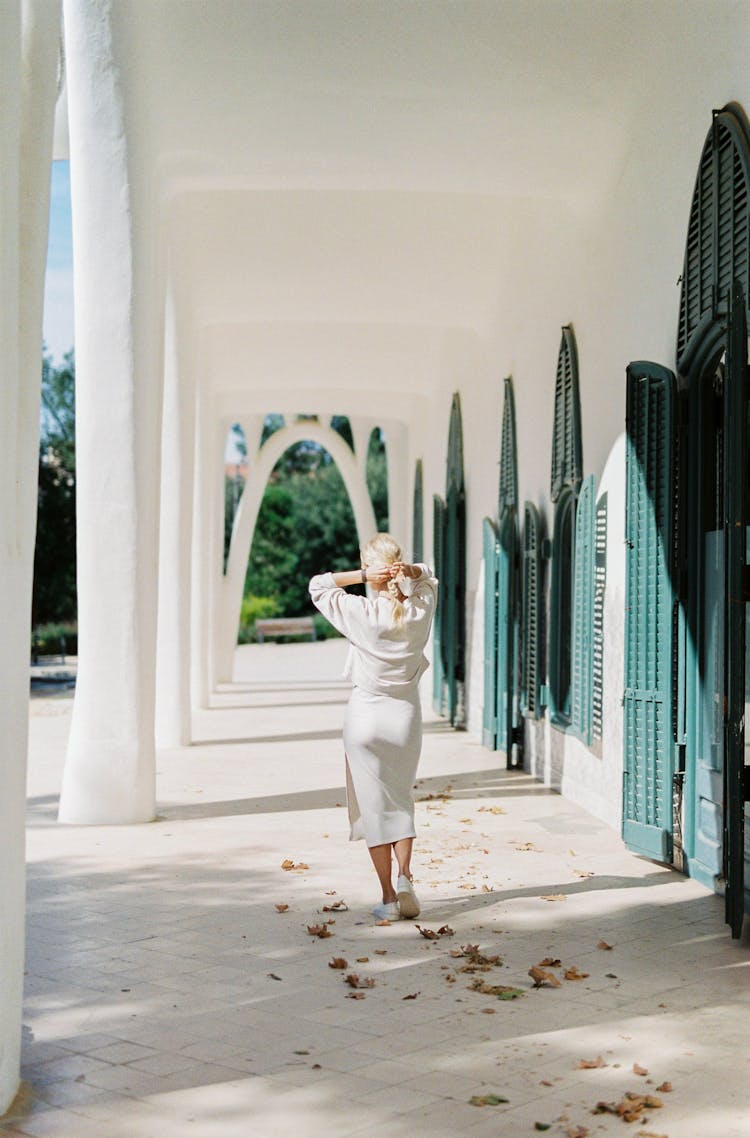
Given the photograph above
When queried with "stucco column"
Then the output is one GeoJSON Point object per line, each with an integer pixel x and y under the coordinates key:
{"type": "Point", "coordinates": [173, 727]}
{"type": "Point", "coordinates": [29, 58]}
{"type": "Point", "coordinates": [109, 774]}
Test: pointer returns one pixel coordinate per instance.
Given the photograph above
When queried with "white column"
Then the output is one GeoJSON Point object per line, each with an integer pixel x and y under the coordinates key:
{"type": "Point", "coordinates": [29, 57]}
{"type": "Point", "coordinates": [109, 774]}
{"type": "Point", "coordinates": [173, 727]}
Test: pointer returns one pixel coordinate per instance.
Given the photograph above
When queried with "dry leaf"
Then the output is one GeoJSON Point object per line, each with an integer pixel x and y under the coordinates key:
{"type": "Point", "coordinates": [466, 821]}
{"type": "Point", "coordinates": [330, 892]}
{"type": "Point", "coordinates": [491, 810]}
{"type": "Point", "coordinates": [362, 959]}
{"type": "Point", "coordinates": [638, 1070]}
{"type": "Point", "coordinates": [338, 962]}
{"type": "Point", "coordinates": [549, 962]}
{"type": "Point", "coordinates": [528, 846]}
{"type": "Point", "coordinates": [487, 1100]}
{"type": "Point", "coordinates": [336, 907]}
{"type": "Point", "coordinates": [355, 995]}
{"type": "Point", "coordinates": [413, 996]}
{"type": "Point", "coordinates": [630, 1107]}
{"type": "Point", "coordinates": [553, 897]}
{"type": "Point", "coordinates": [381, 951]}
{"type": "Point", "coordinates": [287, 863]}
{"type": "Point", "coordinates": [467, 885]}
{"type": "Point", "coordinates": [281, 908]}
{"type": "Point", "coordinates": [574, 974]}
{"type": "Point", "coordinates": [488, 889]}
{"type": "Point", "coordinates": [502, 991]}
{"type": "Point", "coordinates": [539, 976]}
{"type": "Point", "coordinates": [433, 934]}
{"type": "Point", "coordinates": [272, 976]}
{"type": "Point", "coordinates": [321, 931]}
{"type": "Point", "coordinates": [590, 1064]}
{"type": "Point", "coordinates": [666, 1088]}
{"type": "Point", "coordinates": [576, 1132]}
{"type": "Point", "coordinates": [354, 981]}
{"type": "Point", "coordinates": [488, 1011]}
{"type": "Point", "coordinates": [604, 946]}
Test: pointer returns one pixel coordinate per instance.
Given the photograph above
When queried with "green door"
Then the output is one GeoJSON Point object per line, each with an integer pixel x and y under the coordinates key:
{"type": "Point", "coordinates": [649, 613]}
{"type": "Point", "coordinates": [491, 558]}
{"type": "Point", "coordinates": [438, 673]}
{"type": "Point", "coordinates": [737, 503]}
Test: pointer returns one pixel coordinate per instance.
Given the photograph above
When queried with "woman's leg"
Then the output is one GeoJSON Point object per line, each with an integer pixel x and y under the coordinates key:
{"type": "Point", "coordinates": [381, 859]}
{"type": "Point", "coordinates": [402, 849]}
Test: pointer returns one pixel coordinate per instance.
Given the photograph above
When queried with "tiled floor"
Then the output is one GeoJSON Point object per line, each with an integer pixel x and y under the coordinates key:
{"type": "Point", "coordinates": [167, 995]}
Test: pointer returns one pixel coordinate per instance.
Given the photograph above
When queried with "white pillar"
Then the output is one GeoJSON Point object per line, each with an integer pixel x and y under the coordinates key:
{"type": "Point", "coordinates": [173, 726]}
{"type": "Point", "coordinates": [29, 59]}
{"type": "Point", "coordinates": [109, 775]}
{"type": "Point", "coordinates": [203, 496]}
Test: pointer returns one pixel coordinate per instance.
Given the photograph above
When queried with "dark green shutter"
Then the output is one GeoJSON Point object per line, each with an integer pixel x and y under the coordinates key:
{"type": "Point", "coordinates": [491, 553]}
{"type": "Point", "coordinates": [454, 572]}
{"type": "Point", "coordinates": [567, 454]}
{"type": "Point", "coordinates": [532, 665]}
{"type": "Point", "coordinates": [649, 613]}
{"type": "Point", "coordinates": [736, 507]}
{"type": "Point", "coordinates": [717, 249]}
{"type": "Point", "coordinates": [418, 514]}
{"type": "Point", "coordinates": [582, 661]}
{"type": "Point", "coordinates": [508, 483]}
{"type": "Point", "coordinates": [505, 695]}
{"type": "Point", "coordinates": [438, 670]}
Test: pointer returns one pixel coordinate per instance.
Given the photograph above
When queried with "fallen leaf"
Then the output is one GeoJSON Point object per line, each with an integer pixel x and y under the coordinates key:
{"type": "Point", "coordinates": [576, 1132]}
{"type": "Point", "coordinates": [638, 1070]}
{"type": "Point", "coordinates": [362, 959]}
{"type": "Point", "coordinates": [330, 892]}
{"type": "Point", "coordinates": [316, 1067]}
{"type": "Point", "coordinates": [467, 885]}
{"type": "Point", "coordinates": [433, 934]}
{"type": "Point", "coordinates": [281, 908]}
{"type": "Point", "coordinates": [573, 974]}
{"type": "Point", "coordinates": [487, 1100]}
{"type": "Point", "coordinates": [272, 976]}
{"type": "Point", "coordinates": [466, 821]}
{"type": "Point", "coordinates": [338, 962]}
{"type": "Point", "coordinates": [300, 1053]}
{"type": "Point", "coordinates": [381, 951]}
{"type": "Point", "coordinates": [604, 946]}
{"type": "Point", "coordinates": [590, 1064]}
{"type": "Point", "coordinates": [542, 1125]}
{"type": "Point", "coordinates": [336, 907]}
{"type": "Point", "coordinates": [528, 847]}
{"type": "Point", "coordinates": [488, 1011]}
{"type": "Point", "coordinates": [412, 996]}
{"type": "Point", "coordinates": [584, 873]}
{"type": "Point", "coordinates": [540, 976]}
{"type": "Point", "coordinates": [321, 931]}
{"type": "Point", "coordinates": [355, 995]}
{"type": "Point", "coordinates": [488, 889]}
{"type": "Point", "coordinates": [611, 975]}
{"type": "Point", "coordinates": [354, 981]}
{"type": "Point", "coordinates": [549, 962]}
{"type": "Point", "coordinates": [502, 991]}
{"type": "Point", "coordinates": [492, 810]}
{"type": "Point", "coordinates": [553, 897]}
{"type": "Point", "coordinates": [666, 1088]}
{"type": "Point", "coordinates": [630, 1107]}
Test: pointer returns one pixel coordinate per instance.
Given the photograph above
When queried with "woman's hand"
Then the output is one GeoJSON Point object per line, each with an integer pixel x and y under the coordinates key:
{"type": "Point", "coordinates": [399, 568]}
{"type": "Point", "coordinates": [378, 575]}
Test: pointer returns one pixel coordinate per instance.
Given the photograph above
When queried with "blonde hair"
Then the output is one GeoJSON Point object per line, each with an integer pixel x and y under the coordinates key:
{"type": "Point", "coordinates": [384, 550]}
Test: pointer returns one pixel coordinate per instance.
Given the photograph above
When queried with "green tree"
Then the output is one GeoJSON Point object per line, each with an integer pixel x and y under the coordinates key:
{"type": "Point", "coordinates": [54, 596]}
{"type": "Point", "coordinates": [377, 478]}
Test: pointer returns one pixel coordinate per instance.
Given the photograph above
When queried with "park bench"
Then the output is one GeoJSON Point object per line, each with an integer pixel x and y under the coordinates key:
{"type": "Point", "coordinates": [274, 627]}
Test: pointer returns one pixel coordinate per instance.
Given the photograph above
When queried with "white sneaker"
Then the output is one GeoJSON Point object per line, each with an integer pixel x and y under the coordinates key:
{"type": "Point", "coordinates": [386, 911]}
{"type": "Point", "coordinates": [407, 898]}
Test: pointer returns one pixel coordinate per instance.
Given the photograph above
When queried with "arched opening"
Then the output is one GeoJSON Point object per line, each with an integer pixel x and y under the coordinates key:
{"type": "Point", "coordinates": [235, 476]}
{"type": "Point", "coordinates": [377, 477]}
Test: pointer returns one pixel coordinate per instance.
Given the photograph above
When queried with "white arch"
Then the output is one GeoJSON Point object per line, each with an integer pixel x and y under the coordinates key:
{"type": "Point", "coordinates": [352, 470]}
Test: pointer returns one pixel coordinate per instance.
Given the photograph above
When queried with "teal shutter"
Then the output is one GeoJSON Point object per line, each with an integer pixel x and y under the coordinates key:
{"type": "Point", "coordinates": [491, 556]}
{"type": "Point", "coordinates": [582, 663]}
{"type": "Point", "coordinates": [508, 484]}
{"type": "Point", "coordinates": [600, 581]}
{"type": "Point", "coordinates": [438, 670]}
{"type": "Point", "coordinates": [505, 693]}
{"type": "Point", "coordinates": [454, 570]}
{"type": "Point", "coordinates": [532, 671]}
{"type": "Point", "coordinates": [737, 516]}
{"type": "Point", "coordinates": [561, 606]}
{"type": "Point", "coordinates": [649, 613]}
{"type": "Point", "coordinates": [418, 514]}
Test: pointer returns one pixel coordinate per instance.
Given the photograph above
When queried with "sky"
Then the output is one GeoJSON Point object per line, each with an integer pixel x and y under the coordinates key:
{"type": "Point", "coordinates": [58, 284]}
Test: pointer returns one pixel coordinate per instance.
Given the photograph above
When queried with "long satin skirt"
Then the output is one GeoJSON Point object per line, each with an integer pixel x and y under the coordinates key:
{"type": "Point", "coordinates": [383, 740]}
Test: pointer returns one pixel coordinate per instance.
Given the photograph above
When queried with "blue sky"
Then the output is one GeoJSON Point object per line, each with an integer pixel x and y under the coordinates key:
{"type": "Point", "coordinates": [58, 285]}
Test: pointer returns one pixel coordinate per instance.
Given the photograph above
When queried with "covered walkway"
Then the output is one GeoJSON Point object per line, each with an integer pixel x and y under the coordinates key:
{"type": "Point", "coordinates": [167, 994]}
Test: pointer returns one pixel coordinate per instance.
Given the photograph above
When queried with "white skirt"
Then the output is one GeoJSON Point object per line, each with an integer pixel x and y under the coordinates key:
{"type": "Point", "coordinates": [382, 739]}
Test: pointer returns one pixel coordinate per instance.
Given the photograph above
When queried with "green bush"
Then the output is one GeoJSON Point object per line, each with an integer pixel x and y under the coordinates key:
{"type": "Point", "coordinates": [255, 608]}
{"type": "Point", "coordinates": [324, 630]}
{"type": "Point", "coordinates": [46, 638]}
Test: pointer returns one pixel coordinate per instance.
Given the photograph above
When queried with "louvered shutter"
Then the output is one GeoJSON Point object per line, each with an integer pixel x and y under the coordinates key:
{"type": "Point", "coordinates": [737, 515]}
{"type": "Point", "coordinates": [506, 631]}
{"type": "Point", "coordinates": [567, 455]}
{"type": "Point", "coordinates": [454, 593]}
{"type": "Point", "coordinates": [583, 612]}
{"type": "Point", "coordinates": [531, 608]}
{"type": "Point", "coordinates": [508, 482]}
{"type": "Point", "coordinates": [418, 514]}
{"type": "Point", "coordinates": [561, 606]}
{"type": "Point", "coordinates": [717, 249]}
{"type": "Point", "coordinates": [491, 553]}
{"type": "Point", "coordinates": [438, 671]}
{"type": "Point", "coordinates": [600, 581]}
{"type": "Point", "coordinates": [649, 613]}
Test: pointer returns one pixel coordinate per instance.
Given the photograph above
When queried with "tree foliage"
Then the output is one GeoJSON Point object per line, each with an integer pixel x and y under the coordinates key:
{"type": "Point", "coordinates": [54, 596]}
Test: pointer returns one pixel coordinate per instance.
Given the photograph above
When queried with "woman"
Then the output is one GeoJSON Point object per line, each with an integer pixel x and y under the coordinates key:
{"type": "Point", "coordinates": [387, 634]}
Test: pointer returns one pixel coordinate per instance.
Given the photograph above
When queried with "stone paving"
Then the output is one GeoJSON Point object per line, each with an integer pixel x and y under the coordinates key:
{"type": "Point", "coordinates": [167, 995]}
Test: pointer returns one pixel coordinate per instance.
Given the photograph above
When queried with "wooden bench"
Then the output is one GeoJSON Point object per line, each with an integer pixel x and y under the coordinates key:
{"type": "Point", "coordinates": [274, 627]}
